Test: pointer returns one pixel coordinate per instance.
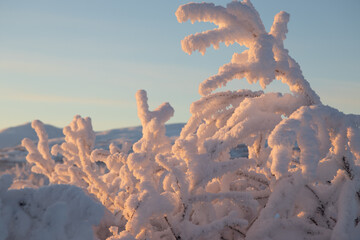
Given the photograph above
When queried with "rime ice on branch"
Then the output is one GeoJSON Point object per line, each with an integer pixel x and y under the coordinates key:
{"type": "Point", "coordinates": [301, 179]}
{"type": "Point", "coordinates": [266, 57]}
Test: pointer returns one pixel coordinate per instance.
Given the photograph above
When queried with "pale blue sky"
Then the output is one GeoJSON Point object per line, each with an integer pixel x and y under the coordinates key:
{"type": "Point", "coordinates": [61, 58]}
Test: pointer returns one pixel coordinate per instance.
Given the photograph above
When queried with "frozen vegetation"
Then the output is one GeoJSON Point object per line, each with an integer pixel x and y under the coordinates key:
{"type": "Point", "coordinates": [299, 180]}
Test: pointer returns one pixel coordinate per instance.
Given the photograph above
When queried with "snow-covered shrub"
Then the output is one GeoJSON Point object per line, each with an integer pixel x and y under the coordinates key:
{"type": "Point", "coordinates": [23, 177]}
{"type": "Point", "coordinates": [301, 179]}
{"type": "Point", "coordinates": [50, 212]}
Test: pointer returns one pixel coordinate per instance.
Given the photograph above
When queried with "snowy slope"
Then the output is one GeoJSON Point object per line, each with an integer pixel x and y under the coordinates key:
{"type": "Point", "coordinates": [11, 137]}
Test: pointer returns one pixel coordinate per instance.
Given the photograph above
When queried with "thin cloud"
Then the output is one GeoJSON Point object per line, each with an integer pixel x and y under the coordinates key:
{"type": "Point", "coordinates": [63, 99]}
{"type": "Point", "coordinates": [41, 66]}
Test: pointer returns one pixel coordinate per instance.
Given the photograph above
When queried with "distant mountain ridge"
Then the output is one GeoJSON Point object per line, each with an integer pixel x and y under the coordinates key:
{"type": "Point", "coordinates": [11, 137]}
